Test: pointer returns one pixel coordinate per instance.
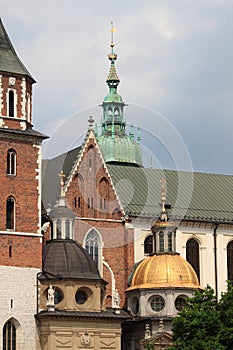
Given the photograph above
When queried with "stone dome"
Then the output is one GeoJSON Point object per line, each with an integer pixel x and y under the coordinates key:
{"type": "Point", "coordinates": [66, 259]}
{"type": "Point", "coordinates": [164, 271]}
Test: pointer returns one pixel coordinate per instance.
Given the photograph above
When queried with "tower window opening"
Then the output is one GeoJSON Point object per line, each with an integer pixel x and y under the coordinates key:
{"type": "Point", "coordinates": [11, 103]}
{"type": "Point", "coordinates": [161, 241]}
{"type": "Point", "coordinates": [67, 228]}
{"type": "Point", "coordinates": [10, 213]}
{"type": "Point", "coordinates": [169, 241]}
{"type": "Point", "coordinates": [58, 229]}
{"type": "Point", "coordinates": [11, 162]}
{"type": "Point", "coordinates": [148, 245]}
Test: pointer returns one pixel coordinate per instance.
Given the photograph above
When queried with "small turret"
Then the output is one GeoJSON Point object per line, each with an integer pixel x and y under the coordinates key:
{"type": "Point", "coordinates": [116, 145]}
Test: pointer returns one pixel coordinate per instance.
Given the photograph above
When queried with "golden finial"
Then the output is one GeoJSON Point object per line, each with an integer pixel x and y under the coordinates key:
{"type": "Point", "coordinates": [163, 197]}
{"type": "Point", "coordinates": [112, 30]}
{"type": "Point", "coordinates": [62, 183]}
{"type": "Point", "coordinates": [112, 55]}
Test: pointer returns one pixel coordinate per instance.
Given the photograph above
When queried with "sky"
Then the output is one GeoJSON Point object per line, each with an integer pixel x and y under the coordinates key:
{"type": "Point", "coordinates": [175, 63]}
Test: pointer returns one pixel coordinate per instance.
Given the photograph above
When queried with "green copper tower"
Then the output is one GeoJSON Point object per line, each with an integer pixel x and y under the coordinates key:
{"type": "Point", "coordinates": [116, 146]}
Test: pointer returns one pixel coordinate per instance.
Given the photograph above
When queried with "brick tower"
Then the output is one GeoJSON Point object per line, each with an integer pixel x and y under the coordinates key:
{"type": "Point", "coordinates": [20, 208]}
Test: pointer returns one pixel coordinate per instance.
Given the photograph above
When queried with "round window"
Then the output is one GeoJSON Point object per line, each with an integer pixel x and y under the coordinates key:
{"type": "Point", "coordinates": [157, 303]}
{"type": "Point", "coordinates": [180, 302]}
{"type": "Point", "coordinates": [80, 297]}
{"type": "Point", "coordinates": [58, 296]}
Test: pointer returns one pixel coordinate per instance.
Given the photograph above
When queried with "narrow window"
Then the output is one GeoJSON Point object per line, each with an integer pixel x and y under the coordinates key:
{"type": "Point", "coordinates": [10, 213]}
{"type": "Point", "coordinates": [11, 162]}
{"type": "Point", "coordinates": [230, 261]}
{"type": "Point", "coordinates": [192, 255]}
{"type": "Point", "coordinates": [75, 202]}
{"type": "Point", "coordinates": [9, 336]}
{"type": "Point", "coordinates": [148, 245]}
{"type": "Point", "coordinates": [79, 202]}
{"type": "Point", "coordinates": [10, 251]}
{"type": "Point", "coordinates": [67, 228]}
{"type": "Point", "coordinates": [58, 229]}
{"type": "Point", "coordinates": [11, 103]}
{"type": "Point", "coordinates": [161, 241]}
{"type": "Point", "coordinates": [88, 202]}
{"type": "Point", "coordinates": [92, 246]}
{"type": "Point", "coordinates": [100, 203]}
{"type": "Point", "coordinates": [92, 203]}
{"type": "Point", "coordinates": [104, 203]}
{"type": "Point", "coordinates": [169, 241]}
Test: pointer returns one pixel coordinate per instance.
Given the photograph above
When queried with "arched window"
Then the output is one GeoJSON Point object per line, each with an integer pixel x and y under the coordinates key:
{"type": "Point", "coordinates": [93, 246]}
{"type": "Point", "coordinates": [192, 255]}
{"type": "Point", "coordinates": [11, 103]}
{"type": "Point", "coordinates": [9, 336]}
{"type": "Point", "coordinates": [58, 229]}
{"type": "Point", "coordinates": [161, 241]}
{"type": "Point", "coordinates": [67, 228]}
{"type": "Point", "coordinates": [230, 261]}
{"type": "Point", "coordinates": [11, 162]}
{"type": "Point", "coordinates": [104, 193]}
{"type": "Point", "coordinates": [10, 213]}
{"type": "Point", "coordinates": [169, 241]}
{"type": "Point", "coordinates": [148, 245]}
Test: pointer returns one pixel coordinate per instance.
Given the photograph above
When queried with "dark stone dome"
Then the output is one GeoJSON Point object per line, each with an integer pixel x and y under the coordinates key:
{"type": "Point", "coordinates": [66, 259]}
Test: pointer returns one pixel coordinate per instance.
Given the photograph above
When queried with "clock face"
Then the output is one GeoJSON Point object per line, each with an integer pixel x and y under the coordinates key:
{"type": "Point", "coordinates": [80, 297]}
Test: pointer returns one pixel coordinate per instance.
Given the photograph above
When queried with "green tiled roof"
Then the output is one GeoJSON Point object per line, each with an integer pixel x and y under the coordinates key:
{"type": "Point", "coordinates": [9, 61]}
{"type": "Point", "coordinates": [194, 196]}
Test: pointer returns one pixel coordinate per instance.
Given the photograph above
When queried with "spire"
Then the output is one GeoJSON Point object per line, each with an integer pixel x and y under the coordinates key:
{"type": "Point", "coordinates": [163, 200]}
{"type": "Point", "coordinates": [9, 61]}
{"type": "Point", "coordinates": [62, 176]}
{"type": "Point", "coordinates": [116, 146]}
{"type": "Point", "coordinates": [112, 79]}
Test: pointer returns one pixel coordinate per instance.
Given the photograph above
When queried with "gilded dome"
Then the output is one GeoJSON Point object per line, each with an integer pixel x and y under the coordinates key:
{"type": "Point", "coordinates": [164, 271]}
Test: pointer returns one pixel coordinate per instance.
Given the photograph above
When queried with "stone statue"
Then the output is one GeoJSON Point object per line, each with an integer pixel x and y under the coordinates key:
{"type": "Point", "coordinates": [51, 294]}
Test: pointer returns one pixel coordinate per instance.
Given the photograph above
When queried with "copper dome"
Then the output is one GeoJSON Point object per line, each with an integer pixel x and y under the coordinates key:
{"type": "Point", "coordinates": [66, 259]}
{"type": "Point", "coordinates": [164, 271]}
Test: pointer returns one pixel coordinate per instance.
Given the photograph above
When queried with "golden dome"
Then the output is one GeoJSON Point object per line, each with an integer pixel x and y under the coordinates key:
{"type": "Point", "coordinates": [164, 271]}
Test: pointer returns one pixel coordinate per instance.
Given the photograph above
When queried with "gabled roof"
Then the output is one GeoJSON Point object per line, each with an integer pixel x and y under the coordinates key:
{"type": "Point", "coordinates": [9, 61]}
{"type": "Point", "coordinates": [193, 196]}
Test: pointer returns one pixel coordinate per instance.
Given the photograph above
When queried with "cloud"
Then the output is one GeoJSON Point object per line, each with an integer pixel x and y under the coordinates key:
{"type": "Point", "coordinates": [174, 57]}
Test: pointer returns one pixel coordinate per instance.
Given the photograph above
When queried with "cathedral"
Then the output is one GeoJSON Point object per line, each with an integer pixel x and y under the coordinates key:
{"type": "Point", "coordinates": [98, 251]}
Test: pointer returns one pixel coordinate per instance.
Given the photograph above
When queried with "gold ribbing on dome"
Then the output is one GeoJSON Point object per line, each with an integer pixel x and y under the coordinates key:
{"type": "Point", "coordinates": [164, 271]}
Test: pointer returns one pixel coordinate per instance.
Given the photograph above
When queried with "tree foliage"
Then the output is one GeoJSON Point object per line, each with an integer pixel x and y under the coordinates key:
{"type": "Point", "coordinates": [204, 323]}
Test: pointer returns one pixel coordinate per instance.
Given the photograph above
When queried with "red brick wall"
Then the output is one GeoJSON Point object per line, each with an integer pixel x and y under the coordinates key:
{"type": "Point", "coordinates": [21, 251]}
{"type": "Point", "coordinates": [23, 186]}
{"type": "Point", "coordinates": [91, 181]}
{"type": "Point", "coordinates": [11, 122]}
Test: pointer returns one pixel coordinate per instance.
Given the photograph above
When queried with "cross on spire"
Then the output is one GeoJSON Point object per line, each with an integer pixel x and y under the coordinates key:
{"type": "Point", "coordinates": [62, 183]}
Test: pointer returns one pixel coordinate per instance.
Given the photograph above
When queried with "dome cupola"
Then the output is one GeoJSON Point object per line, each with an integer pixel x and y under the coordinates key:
{"type": "Point", "coordinates": [116, 146]}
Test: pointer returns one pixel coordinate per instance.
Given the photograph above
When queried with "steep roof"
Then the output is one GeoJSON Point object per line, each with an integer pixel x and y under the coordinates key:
{"type": "Point", "coordinates": [50, 179]}
{"type": "Point", "coordinates": [9, 61]}
{"type": "Point", "coordinates": [194, 196]}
